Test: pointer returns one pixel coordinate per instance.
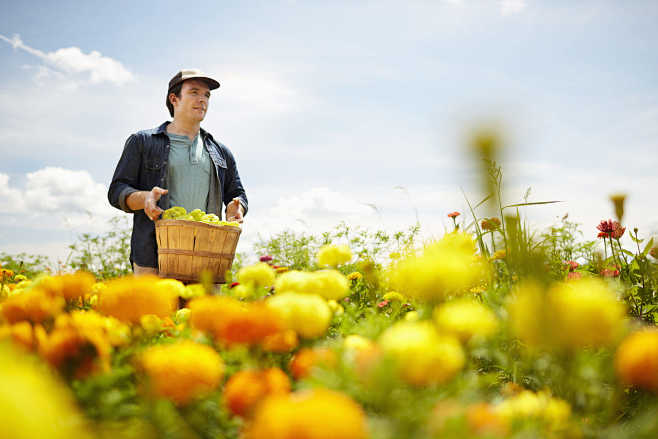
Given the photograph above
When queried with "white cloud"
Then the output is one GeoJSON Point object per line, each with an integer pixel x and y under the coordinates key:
{"type": "Point", "coordinates": [73, 61]}
{"type": "Point", "coordinates": [510, 7]}
{"type": "Point", "coordinates": [55, 198]}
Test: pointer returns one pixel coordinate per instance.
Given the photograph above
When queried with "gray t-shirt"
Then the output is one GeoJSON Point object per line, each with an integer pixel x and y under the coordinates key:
{"type": "Point", "coordinates": [188, 172]}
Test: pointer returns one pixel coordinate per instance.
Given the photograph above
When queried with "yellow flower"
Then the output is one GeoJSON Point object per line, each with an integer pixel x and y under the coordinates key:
{"type": "Point", "coordinates": [35, 305]}
{"type": "Point", "coordinates": [412, 316]}
{"type": "Point", "coordinates": [33, 403]}
{"type": "Point", "coordinates": [392, 296]}
{"type": "Point", "coordinates": [182, 371]}
{"type": "Point", "coordinates": [69, 286]}
{"type": "Point", "coordinates": [355, 275]}
{"type": "Point", "coordinates": [260, 275]}
{"type": "Point", "coordinates": [152, 324]}
{"type": "Point", "coordinates": [174, 287]}
{"type": "Point", "coordinates": [636, 360]}
{"type": "Point", "coordinates": [422, 355]}
{"type": "Point", "coordinates": [527, 404]}
{"type": "Point", "coordinates": [572, 315]}
{"type": "Point", "coordinates": [129, 298]}
{"type": "Point", "coordinates": [329, 284]}
{"type": "Point", "coordinates": [465, 318]}
{"type": "Point", "coordinates": [333, 255]}
{"type": "Point", "coordinates": [446, 267]}
{"type": "Point", "coordinates": [335, 307]}
{"type": "Point", "coordinates": [499, 254]}
{"type": "Point", "coordinates": [358, 343]}
{"type": "Point", "coordinates": [193, 290]}
{"type": "Point", "coordinates": [307, 314]}
{"type": "Point", "coordinates": [19, 278]}
{"type": "Point", "coordinates": [316, 414]}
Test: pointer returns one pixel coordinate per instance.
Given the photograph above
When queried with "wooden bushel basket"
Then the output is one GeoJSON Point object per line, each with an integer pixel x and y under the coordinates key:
{"type": "Point", "coordinates": [187, 248]}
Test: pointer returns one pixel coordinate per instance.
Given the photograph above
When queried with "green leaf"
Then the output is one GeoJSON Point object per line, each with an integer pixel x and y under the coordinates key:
{"type": "Point", "coordinates": [531, 203]}
{"type": "Point", "coordinates": [648, 247]}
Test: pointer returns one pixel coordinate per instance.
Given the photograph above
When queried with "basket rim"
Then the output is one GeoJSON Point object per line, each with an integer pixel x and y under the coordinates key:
{"type": "Point", "coordinates": [173, 222]}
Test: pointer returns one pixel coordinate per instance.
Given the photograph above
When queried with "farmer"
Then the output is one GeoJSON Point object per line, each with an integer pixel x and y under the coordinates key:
{"type": "Point", "coordinates": [175, 164]}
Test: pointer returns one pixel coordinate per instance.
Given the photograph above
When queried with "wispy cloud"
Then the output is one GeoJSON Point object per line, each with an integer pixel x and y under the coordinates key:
{"type": "Point", "coordinates": [510, 7]}
{"type": "Point", "coordinates": [73, 61]}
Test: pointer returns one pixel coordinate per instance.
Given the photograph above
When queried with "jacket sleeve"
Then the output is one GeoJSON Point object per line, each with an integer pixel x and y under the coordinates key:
{"type": "Point", "coordinates": [126, 174]}
{"type": "Point", "coordinates": [233, 186]}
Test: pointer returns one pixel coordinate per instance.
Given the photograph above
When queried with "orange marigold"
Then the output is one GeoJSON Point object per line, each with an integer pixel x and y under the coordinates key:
{"type": "Point", "coordinates": [282, 341]}
{"type": "Point", "coordinates": [636, 360]}
{"type": "Point", "coordinates": [306, 359]}
{"type": "Point", "coordinates": [182, 371]}
{"type": "Point", "coordinates": [69, 286]}
{"type": "Point", "coordinates": [20, 333]}
{"type": "Point", "coordinates": [129, 298]}
{"type": "Point", "coordinates": [76, 352]}
{"type": "Point", "coordinates": [35, 305]}
{"type": "Point", "coordinates": [245, 389]}
{"type": "Point", "coordinates": [317, 414]}
{"type": "Point", "coordinates": [233, 321]}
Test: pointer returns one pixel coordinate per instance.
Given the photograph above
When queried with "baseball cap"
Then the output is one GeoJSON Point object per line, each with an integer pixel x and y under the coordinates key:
{"type": "Point", "coordinates": [192, 74]}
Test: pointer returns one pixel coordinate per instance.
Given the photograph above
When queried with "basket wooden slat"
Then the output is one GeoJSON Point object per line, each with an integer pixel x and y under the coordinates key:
{"type": "Point", "coordinates": [187, 248]}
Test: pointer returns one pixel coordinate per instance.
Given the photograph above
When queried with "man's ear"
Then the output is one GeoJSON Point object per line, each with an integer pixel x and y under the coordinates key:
{"type": "Point", "coordinates": [172, 98]}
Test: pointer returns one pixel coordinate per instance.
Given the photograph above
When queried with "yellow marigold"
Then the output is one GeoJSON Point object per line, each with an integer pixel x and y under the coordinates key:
{"type": "Point", "coordinates": [465, 318]}
{"type": "Point", "coordinates": [335, 307]}
{"type": "Point", "coordinates": [357, 342]}
{"type": "Point", "coordinates": [175, 287]}
{"type": "Point", "coordinates": [260, 275]}
{"type": "Point", "coordinates": [555, 412]}
{"type": "Point", "coordinates": [307, 314]}
{"type": "Point", "coordinates": [131, 297]}
{"type": "Point", "coordinates": [34, 305]}
{"type": "Point", "coordinates": [302, 364]}
{"type": "Point", "coordinates": [636, 360]}
{"type": "Point", "coordinates": [355, 275]}
{"type": "Point", "coordinates": [247, 388]}
{"type": "Point", "coordinates": [446, 267]}
{"type": "Point", "coordinates": [329, 284]}
{"type": "Point", "coordinates": [316, 414]}
{"type": "Point", "coordinates": [233, 321]}
{"type": "Point", "coordinates": [394, 296]}
{"type": "Point", "coordinates": [33, 403]}
{"type": "Point", "coordinates": [528, 317]}
{"type": "Point", "coordinates": [116, 332]}
{"type": "Point", "coordinates": [585, 312]}
{"type": "Point", "coordinates": [423, 356]}
{"type": "Point", "coordinates": [193, 290]}
{"type": "Point", "coordinates": [334, 255]}
{"type": "Point", "coordinates": [19, 278]}
{"type": "Point", "coordinates": [69, 286]}
{"type": "Point", "coordinates": [182, 371]}
{"type": "Point", "coordinates": [20, 333]}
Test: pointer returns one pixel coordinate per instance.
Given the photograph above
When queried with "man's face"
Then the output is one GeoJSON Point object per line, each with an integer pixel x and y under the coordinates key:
{"type": "Point", "coordinates": [193, 101]}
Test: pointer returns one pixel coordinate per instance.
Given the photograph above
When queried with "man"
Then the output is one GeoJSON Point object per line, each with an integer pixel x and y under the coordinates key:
{"type": "Point", "coordinates": [175, 164]}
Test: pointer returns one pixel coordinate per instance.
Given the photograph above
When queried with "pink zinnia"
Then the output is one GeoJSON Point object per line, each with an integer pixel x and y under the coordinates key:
{"type": "Point", "coordinates": [611, 229]}
{"type": "Point", "coordinates": [454, 214]}
{"type": "Point", "coordinates": [383, 303]}
{"type": "Point", "coordinates": [572, 265]}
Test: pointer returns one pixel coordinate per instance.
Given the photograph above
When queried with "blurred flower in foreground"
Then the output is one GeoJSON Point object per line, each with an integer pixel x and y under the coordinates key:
{"type": "Point", "coordinates": [306, 359]}
{"type": "Point", "coordinates": [306, 314]}
{"type": "Point", "coordinates": [446, 267]}
{"type": "Point", "coordinates": [282, 341]}
{"type": "Point", "coordinates": [34, 305]}
{"type": "Point", "coordinates": [575, 314]}
{"type": "Point", "coordinates": [554, 412]}
{"type": "Point", "coordinates": [636, 360]}
{"type": "Point", "coordinates": [618, 201]}
{"type": "Point", "coordinates": [33, 403]}
{"type": "Point", "coordinates": [232, 321]}
{"type": "Point", "coordinates": [69, 286]}
{"type": "Point", "coordinates": [260, 275]}
{"type": "Point", "coordinates": [465, 318]}
{"type": "Point", "coordinates": [422, 355]}
{"type": "Point", "coordinates": [330, 284]}
{"type": "Point", "coordinates": [334, 255]}
{"type": "Point", "coordinates": [246, 388]}
{"type": "Point", "coordinates": [129, 298]}
{"type": "Point", "coordinates": [315, 414]}
{"type": "Point", "coordinates": [182, 371]}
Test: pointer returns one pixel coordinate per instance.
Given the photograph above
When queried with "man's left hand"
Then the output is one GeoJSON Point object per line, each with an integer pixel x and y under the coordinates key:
{"type": "Point", "coordinates": [234, 211]}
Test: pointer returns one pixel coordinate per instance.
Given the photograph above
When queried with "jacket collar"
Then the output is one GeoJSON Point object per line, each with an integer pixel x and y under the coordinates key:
{"type": "Point", "coordinates": [205, 135]}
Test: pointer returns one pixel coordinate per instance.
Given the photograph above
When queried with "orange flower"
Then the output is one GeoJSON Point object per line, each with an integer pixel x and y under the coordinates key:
{"type": "Point", "coordinates": [483, 420]}
{"type": "Point", "coordinates": [6, 274]}
{"type": "Point", "coordinates": [35, 305]}
{"type": "Point", "coordinates": [233, 321]}
{"type": "Point", "coordinates": [76, 352]}
{"type": "Point", "coordinates": [245, 389]}
{"type": "Point", "coordinates": [636, 360]}
{"type": "Point", "coordinates": [20, 333]}
{"type": "Point", "coordinates": [69, 286]}
{"type": "Point", "coordinates": [306, 359]}
{"type": "Point", "coordinates": [283, 341]}
{"type": "Point", "coordinates": [129, 298]}
{"type": "Point", "coordinates": [317, 414]}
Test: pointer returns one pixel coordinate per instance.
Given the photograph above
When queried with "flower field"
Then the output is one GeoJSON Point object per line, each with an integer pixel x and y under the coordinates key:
{"type": "Point", "coordinates": [381, 337]}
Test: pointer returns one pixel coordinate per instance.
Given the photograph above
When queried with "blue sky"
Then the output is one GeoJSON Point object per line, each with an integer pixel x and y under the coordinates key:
{"type": "Point", "coordinates": [329, 107]}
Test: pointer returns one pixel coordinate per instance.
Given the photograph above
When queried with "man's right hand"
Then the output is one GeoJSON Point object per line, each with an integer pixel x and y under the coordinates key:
{"type": "Point", "coordinates": [151, 208]}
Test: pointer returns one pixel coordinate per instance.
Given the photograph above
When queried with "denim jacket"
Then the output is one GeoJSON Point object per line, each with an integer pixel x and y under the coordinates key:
{"type": "Point", "coordinates": [143, 165]}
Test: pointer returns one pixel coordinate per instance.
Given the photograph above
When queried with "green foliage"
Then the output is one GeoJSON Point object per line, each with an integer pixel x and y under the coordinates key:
{"type": "Point", "coordinates": [25, 264]}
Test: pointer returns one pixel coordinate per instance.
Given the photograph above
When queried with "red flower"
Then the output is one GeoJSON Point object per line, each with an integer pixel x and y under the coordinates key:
{"type": "Point", "coordinates": [234, 284]}
{"type": "Point", "coordinates": [608, 272]}
{"type": "Point", "coordinates": [454, 214]}
{"type": "Point", "coordinates": [574, 275]}
{"type": "Point", "coordinates": [383, 303]}
{"type": "Point", "coordinates": [611, 229]}
{"type": "Point", "coordinates": [266, 258]}
{"type": "Point", "coordinates": [618, 232]}
{"type": "Point", "coordinates": [572, 265]}
{"type": "Point", "coordinates": [602, 235]}
{"type": "Point", "coordinates": [490, 223]}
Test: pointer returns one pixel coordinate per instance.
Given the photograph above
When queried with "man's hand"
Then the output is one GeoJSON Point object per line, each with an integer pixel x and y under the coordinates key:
{"type": "Point", "coordinates": [151, 208]}
{"type": "Point", "coordinates": [234, 211]}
